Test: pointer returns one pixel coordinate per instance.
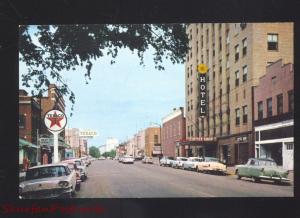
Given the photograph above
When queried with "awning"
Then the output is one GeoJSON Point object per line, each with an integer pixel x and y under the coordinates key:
{"type": "Point", "coordinates": [25, 143]}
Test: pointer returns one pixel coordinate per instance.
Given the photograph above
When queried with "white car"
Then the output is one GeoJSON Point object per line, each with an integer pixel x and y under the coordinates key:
{"type": "Point", "coordinates": [128, 159]}
{"type": "Point", "coordinates": [82, 167]}
{"type": "Point", "coordinates": [166, 161]}
{"type": "Point", "coordinates": [48, 181]}
{"type": "Point", "coordinates": [147, 160]}
{"type": "Point", "coordinates": [178, 162]}
{"type": "Point", "coordinates": [191, 163]}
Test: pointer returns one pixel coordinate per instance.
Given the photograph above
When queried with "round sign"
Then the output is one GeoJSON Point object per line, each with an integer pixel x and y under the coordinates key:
{"type": "Point", "coordinates": [202, 68]}
{"type": "Point", "coordinates": [55, 120]}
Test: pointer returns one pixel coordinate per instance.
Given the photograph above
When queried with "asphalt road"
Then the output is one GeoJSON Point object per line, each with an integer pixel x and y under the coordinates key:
{"type": "Point", "coordinates": [111, 179]}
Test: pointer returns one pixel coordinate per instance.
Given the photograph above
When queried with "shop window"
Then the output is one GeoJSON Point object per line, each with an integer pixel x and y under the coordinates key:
{"type": "Point", "coordinates": [289, 146]}
{"type": "Point", "coordinates": [260, 110]}
{"type": "Point", "coordinates": [291, 100]}
{"type": "Point", "coordinates": [279, 104]}
{"type": "Point", "coordinates": [269, 107]}
{"type": "Point", "coordinates": [237, 116]}
{"type": "Point", "coordinates": [272, 42]}
{"type": "Point", "coordinates": [22, 120]}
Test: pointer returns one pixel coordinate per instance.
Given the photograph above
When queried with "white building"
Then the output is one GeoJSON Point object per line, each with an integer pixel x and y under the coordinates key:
{"type": "Point", "coordinates": [111, 144]}
{"type": "Point", "coordinates": [102, 149]}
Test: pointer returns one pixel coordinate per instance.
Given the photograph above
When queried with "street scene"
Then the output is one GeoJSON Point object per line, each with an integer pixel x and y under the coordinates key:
{"type": "Point", "coordinates": [156, 110]}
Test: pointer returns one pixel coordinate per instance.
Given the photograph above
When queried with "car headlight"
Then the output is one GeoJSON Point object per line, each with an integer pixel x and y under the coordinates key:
{"type": "Point", "coordinates": [63, 184]}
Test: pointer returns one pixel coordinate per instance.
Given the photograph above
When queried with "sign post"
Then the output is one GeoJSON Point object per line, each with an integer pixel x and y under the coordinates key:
{"type": "Point", "coordinates": [55, 121]}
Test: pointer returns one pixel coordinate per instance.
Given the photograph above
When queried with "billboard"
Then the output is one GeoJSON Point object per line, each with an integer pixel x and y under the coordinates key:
{"type": "Point", "coordinates": [87, 133]}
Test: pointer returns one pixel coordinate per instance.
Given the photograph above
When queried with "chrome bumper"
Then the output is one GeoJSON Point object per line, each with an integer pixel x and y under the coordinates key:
{"type": "Point", "coordinates": [275, 178]}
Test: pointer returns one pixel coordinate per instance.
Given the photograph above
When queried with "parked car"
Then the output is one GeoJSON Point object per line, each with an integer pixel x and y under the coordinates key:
{"type": "Point", "coordinates": [178, 162]}
{"type": "Point", "coordinates": [73, 166]}
{"type": "Point", "coordinates": [148, 160]}
{"type": "Point", "coordinates": [262, 169]}
{"type": "Point", "coordinates": [191, 163]}
{"type": "Point", "coordinates": [166, 161]}
{"type": "Point", "coordinates": [211, 164]}
{"type": "Point", "coordinates": [81, 166]}
{"type": "Point", "coordinates": [128, 159]}
{"type": "Point", "coordinates": [86, 161]}
{"type": "Point", "coordinates": [101, 158]}
{"type": "Point", "coordinates": [48, 181]}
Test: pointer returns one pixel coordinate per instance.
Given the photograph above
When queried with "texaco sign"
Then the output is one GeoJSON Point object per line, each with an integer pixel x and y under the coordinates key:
{"type": "Point", "coordinates": [55, 120]}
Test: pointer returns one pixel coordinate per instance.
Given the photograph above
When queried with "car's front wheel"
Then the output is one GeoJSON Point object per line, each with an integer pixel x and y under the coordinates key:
{"type": "Point", "coordinates": [237, 174]}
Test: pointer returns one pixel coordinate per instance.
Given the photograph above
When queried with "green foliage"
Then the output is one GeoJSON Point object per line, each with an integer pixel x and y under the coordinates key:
{"type": "Point", "coordinates": [111, 153]}
{"type": "Point", "coordinates": [94, 152]}
{"type": "Point", "coordinates": [65, 47]}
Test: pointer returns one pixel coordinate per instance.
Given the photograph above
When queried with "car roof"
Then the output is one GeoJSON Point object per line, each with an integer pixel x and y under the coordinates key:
{"type": "Point", "coordinates": [49, 165]}
{"type": "Point", "coordinates": [265, 159]}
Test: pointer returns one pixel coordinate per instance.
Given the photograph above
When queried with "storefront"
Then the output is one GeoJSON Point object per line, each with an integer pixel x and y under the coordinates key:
{"type": "Point", "coordinates": [197, 147]}
{"type": "Point", "coordinates": [236, 149]}
{"type": "Point", "coordinates": [276, 141]}
{"type": "Point", "coordinates": [27, 150]}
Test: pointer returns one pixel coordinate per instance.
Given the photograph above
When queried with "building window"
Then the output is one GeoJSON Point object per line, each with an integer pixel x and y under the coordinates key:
{"type": "Point", "coordinates": [188, 107]}
{"type": "Point", "coordinates": [188, 89]}
{"type": "Point", "coordinates": [206, 35]}
{"type": "Point", "coordinates": [191, 54]}
{"type": "Point", "coordinates": [291, 100]}
{"type": "Point", "coordinates": [245, 72]}
{"type": "Point", "coordinates": [237, 81]}
{"type": "Point", "coordinates": [236, 53]}
{"type": "Point", "coordinates": [245, 114]}
{"type": "Point", "coordinates": [197, 48]}
{"type": "Point", "coordinates": [201, 41]}
{"type": "Point", "coordinates": [269, 107]}
{"type": "Point", "coordinates": [244, 46]}
{"type": "Point", "coordinates": [191, 35]}
{"type": "Point", "coordinates": [191, 87]}
{"type": "Point", "coordinates": [260, 110]}
{"type": "Point", "coordinates": [289, 146]}
{"type": "Point", "coordinates": [237, 116]}
{"type": "Point", "coordinates": [191, 104]}
{"type": "Point", "coordinates": [220, 68]}
{"type": "Point", "coordinates": [22, 120]}
{"type": "Point", "coordinates": [279, 104]}
{"type": "Point", "coordinates": [272, 42]}
{"type": "Point", "coordinates": [188, 75]}
{"type": "Point", "coordinates": [155, 139]}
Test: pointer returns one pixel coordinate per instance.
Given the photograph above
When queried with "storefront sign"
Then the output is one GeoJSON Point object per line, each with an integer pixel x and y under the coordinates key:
{"type": "Point", "coordinates": [157, 150]}
{"type": "Point", "coordinates": [202, 139]}
{"type": "Point", "coordinates": [87, 133]}
{"type": "Point", "coordinates": [202, 70]}
{"type": "Point", "coordinates": [242, 139]}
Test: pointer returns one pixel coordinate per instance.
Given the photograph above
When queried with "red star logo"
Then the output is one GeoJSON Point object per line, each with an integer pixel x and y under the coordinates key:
{"type": "Point", "coordinates": [55, 120]}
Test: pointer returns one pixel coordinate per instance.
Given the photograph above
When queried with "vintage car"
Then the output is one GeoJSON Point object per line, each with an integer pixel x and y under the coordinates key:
{"type": "Point", "coordinates": [80, 165]}
{"type": "Point", "coordinates": [261, 169]}
{"type": "Point", "coordinates": [128, 159]}
{"type": "Point", "coordinates": [178, 162]}
{"type": "Point", "coordinates": [148, 160]}
{"type": "Point", "coordinates": [48, 181]}
{"type": "Point", "coordinates": [166, 161]}
{"type": "Point", "coordinates": [211, 164]}
{"type": "Point", "coordinates": [191, 163]}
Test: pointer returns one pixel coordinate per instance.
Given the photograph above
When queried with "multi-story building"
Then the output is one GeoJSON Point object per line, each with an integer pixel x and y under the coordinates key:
{"type": "Point", "coordinates": [29, 127]}
{"type": "Point", "coordinates": [236, 55]}
{"type": "Point", "coordinates": [111, 144]}
{"type": "Point", "coordinates": [274, 115]}
{"type": "Point", "coordinates": [72, 138]}
{"type": "Point", "coordinates": [173, 130]}
{"type": "Point", "coordinates": [139, 141]}
{"type": "Point", "coordinates": [152, 140]}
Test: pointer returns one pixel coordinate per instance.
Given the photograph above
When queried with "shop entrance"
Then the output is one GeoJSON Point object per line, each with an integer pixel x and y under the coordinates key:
{"type": "Point", "coordinates": [225, 153]}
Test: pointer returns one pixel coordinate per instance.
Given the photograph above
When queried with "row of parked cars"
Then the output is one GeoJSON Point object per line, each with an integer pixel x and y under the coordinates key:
{"type": "Point", "coordinates": [256, 168]}
{"type": "Point", "coordinates": [60, 180]}
{"type": "Point", "coordinates": [199, 164]}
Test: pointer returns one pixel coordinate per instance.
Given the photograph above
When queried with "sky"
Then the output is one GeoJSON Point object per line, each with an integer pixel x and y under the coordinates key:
{"type": "Point", "coordinates": [122, 98]}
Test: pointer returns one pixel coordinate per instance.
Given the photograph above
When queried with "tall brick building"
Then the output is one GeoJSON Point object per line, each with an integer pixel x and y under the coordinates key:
{"type": "Point", "coordinates": [236, 55]}
{"type": "Point", "coordinates": [152, 139]}
{"type": "Point", "coordinates": [173, 130]}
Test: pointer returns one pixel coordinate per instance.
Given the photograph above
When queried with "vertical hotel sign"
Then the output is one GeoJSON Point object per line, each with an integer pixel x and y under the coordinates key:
{"type": "Point", "coordinates": [202, 70]}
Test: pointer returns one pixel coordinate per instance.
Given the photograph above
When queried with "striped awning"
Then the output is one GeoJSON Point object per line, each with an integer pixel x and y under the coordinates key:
{"type": "Point", "coordinates": [24, 143]}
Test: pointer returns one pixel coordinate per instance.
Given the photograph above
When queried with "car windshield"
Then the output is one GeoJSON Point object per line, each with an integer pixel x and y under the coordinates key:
{"type": "Point", "coordinates": [171, 158]}
{"type": "Point", "coordinates": [78, 163]}
{"type": "Point", "coordinates": [267, 163]}
{"type": "Point", "coordinates": [197, 160]}
{"type": "Point", "coordinates": [45, 172]}
{"type": "Point", "coordinates": [183, 159]}
{"type": "Point", "coordinates": [211, 159]}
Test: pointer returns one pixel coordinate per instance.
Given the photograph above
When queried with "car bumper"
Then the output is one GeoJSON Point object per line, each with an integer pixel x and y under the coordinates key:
{"type": "Point", "coordinates": [64, 194]}
{"type": "Point", "coordinates": [275, 178]}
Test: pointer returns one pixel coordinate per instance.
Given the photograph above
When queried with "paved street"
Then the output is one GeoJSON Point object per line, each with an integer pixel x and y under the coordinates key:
{"type": "Point", "coordinates": [111, 179]}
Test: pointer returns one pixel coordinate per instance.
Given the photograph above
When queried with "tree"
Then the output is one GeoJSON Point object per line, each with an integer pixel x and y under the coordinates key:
{"type": "Point", "coordinates": [94, 152]}
{"type": "Point", "coordinates": [111, 154]}
{"type": "Point", "coordinates": [65, 47]}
